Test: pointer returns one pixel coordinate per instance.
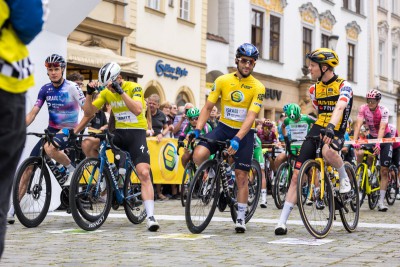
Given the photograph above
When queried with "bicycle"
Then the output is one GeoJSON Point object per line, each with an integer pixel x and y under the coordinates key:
{"type": "Point", "coordinates": [284, 176]}
{"type": "Point", "coordinates": [269, 151]}
{"type": "Point", "coordinates": [205, 190]}
{"type": "Point", "coordinates": [188, 173]}
{"type": "Point", "coordinates": [392, 188]}
{"type": "Point", "coordinates": [318, 211]}
{"type": "Point", "coordinates": [368, 179]}
{"type": "Point", "coordinates": [96, 187]}
{"type": "Point", "coordinates": [32, 184]}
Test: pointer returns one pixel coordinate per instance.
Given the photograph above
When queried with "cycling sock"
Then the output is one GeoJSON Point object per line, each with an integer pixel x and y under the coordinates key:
{"type": "Point", "coordinates": [242, 207]}
{"type": "Point", "coordinates": [149, 206]}
{"type": "Point", "coordinates": [263, 194]}
{"type": "Point", "coordinates": [287, 208]}
{"type": "Point", "coordinates": [342, 172]}
{"type": "Point", "coordinates": [70, 168]}
{"type": "Point", "coordinates": [382, 196]}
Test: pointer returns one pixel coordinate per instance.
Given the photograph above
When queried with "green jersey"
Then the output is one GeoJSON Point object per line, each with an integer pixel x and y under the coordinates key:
{"type": "Point", "coordinates": [299, 130]}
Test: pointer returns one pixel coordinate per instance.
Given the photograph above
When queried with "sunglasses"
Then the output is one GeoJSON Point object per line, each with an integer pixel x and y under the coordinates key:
{"type": "Point", "coordinates": [194, 119]}
{"type": "Point", "coordinates": [247, 61]}
{"type": "Point", "coordinates": [372, 101]}
{"type": "Point", "coordinates": [52, 64]}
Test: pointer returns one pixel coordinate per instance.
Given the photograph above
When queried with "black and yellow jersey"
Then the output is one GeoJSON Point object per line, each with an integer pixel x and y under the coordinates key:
{"type": "Point", "coordinates": [124, 118]}
{"type": "Point", "coordinates": [324, 97]}
{"type": "Point", "coordinates": [238, 96]}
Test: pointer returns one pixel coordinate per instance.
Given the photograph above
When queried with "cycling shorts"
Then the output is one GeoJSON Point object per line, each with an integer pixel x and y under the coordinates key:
{"type": "Point", "coordinates": [309, 148]}
{"type": "Point", "coordinates": [386, 152]}
{"type": "Point", "coordinates": [133, 141]}
{"type": "Point", "coordinates": [36, 149]}
{"type": "Point", "coordinates": [396, 157]}
{"type": "Point", "coordinates": [244, 154]}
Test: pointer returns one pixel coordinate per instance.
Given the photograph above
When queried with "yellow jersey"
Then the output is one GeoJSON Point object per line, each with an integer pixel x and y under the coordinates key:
{"type": "Point", "coordinates": [124, 118]}
{"type": "Point", "coordinates": [238, 96]}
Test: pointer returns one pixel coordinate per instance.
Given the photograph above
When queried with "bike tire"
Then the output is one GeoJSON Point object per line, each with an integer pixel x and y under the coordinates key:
{"type": "Point", "coordinates": [254, 183]}
{"type": "Point", "coordinates": [361, 182]}
{"type": "Point", "coordinates": [89, 206]}
{"type": "Point", "coordinates": [133, 202]}
{"type": "Point", "coordinates": [187, 177]}
{"type": "Point", "coordinates": [281, 186]}
{"type": "Point", "coordinates": [32, 203]}
{"type": "Point", "coordinates": [350, 208]}
{"type": "Point", "coordinates": [392, 185]}
{"type": "Point", "coordinates": [321, 228]}
{"type": "Point", "coordinates": [202, 197]}
{"type": "Point", "coordinates": [373, 198]}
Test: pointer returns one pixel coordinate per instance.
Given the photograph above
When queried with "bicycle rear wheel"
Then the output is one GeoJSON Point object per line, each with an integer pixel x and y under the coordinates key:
{"type": "Point", "coordinates": [90, 194]}
{"type": "Point", "coordinates": [202, 197]}
{"type": "Point", "coordinates": [317, 220]}
{"type": "Point", "coordinates": [188, 174]}
{"type": "Point", "coordinates": [392, 185]}
{"type": "Point", "coordinates": [281, 185]}
{"type": "Point", "coordinates": [254, 183]}
{"type": "Point", "coordinates": [32, 192]}
{"type": "Point", "coordinates": [360, 172]}
{"type": "Point", "coordinates": [350, 205]}
{"type": "Point", "coordinates": [133, 203]}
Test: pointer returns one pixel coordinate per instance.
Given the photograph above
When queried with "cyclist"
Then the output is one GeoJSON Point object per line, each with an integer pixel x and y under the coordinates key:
{"type": "Point", "coordinates": [299, 124]}
{"type": "Point", "coordinates": [64, 102]}
{"type": "Point", "coordinates": [376, 118]}
{"type": "Point", "coordinates": [332, 97]}
{"type": "Point", "coordinates": [396, 153]}
{"type": "Point", "coordinates": [193, 115]}
{"type": "Point", "coordinates": [128, 105]}
{"type": "Point", "coordinates": [241, 100]}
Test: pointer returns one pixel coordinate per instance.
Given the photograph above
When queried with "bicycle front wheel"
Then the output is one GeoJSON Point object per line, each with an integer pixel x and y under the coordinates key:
{"type": "Point", "coordinates": [373, 197]}
{"type": "Point", "coordinates": [202, 197]}
{"type": "Point", "coordinates": [134, 204]}
{"type": "Point", "coordinates": [90, 194]}
{"type": "Point", "coordinates": [350, 203]}
{"type": "Point", "coordinates": [392, 185]}
{"type": "Point", "coordinates": [188, 174]}
{"type": "Point", "coordinates": [361, 182]}
{"type": "Point", "coordinates": [317, 214]}
{"type": "Point", "coordinates": [32, 192]}
{"type": "Point", "coordinates": [254, 184]}
{"type": "Point", "coordinates": [281, 185]}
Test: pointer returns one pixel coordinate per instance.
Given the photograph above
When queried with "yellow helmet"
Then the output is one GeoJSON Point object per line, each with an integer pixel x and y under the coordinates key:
{"type": "Point", "coordinates": [324, 56]}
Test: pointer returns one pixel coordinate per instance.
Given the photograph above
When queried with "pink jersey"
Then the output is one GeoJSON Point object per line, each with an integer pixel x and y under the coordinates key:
{"type": "Point", "coordinates": [374, 118]}
{"type": "Point", "coordinates": [394, 133]}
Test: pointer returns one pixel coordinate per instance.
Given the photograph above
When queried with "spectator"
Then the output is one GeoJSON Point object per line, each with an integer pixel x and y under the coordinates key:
{"type": "Point", "coordinates": [213, 121]}
{"type": "Point", "coordinates": [180, 121]}
{"type": "Point", "coordinates": [166, 109]}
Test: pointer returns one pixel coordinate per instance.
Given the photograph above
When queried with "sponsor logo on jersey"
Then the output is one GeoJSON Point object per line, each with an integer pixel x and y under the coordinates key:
{"type": "Point", "coordinates": [260, 97]}
{"type": "Point", "coordinates": [246, 86]}
{"type": "Point", "coordinates": [237, 96]}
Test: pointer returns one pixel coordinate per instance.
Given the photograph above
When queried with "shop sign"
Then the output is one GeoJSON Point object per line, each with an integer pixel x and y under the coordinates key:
{"type": "Point", "coordinates": [273, 94]}
{"type": "Point", "coordinates": [167, 70]}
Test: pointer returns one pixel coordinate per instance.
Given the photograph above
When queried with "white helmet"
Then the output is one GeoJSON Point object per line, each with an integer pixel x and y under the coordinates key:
{"type": "Point", "coordinates": [109, 72]}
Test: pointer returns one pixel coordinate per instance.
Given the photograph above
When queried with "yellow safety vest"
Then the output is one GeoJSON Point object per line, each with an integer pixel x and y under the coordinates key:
{"type": "Point", "coordinates": [16, 69]}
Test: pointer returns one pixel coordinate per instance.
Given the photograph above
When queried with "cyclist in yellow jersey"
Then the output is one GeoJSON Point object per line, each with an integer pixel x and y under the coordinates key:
{"type": "Point", "coordinates": [332, 98]}
{"type": "Point", "coordinates": [241, 99]}
{"type": "Point", "coordinates": [128, 105]}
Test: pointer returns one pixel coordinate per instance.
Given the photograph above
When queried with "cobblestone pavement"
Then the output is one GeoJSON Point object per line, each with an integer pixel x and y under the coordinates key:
{"type": "Point", "coordinates": [58, 241]}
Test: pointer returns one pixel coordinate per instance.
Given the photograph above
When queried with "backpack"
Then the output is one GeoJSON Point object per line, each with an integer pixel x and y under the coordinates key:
{"type": "Point", "coordinates": [27, 18]}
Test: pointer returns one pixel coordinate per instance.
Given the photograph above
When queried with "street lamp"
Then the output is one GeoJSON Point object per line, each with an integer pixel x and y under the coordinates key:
{"type": "Point", "coordinates": [332, 41]}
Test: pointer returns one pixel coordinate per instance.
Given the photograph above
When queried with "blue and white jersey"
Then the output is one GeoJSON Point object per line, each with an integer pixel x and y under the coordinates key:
{"type": "Point", "coordinates": [64, 103]}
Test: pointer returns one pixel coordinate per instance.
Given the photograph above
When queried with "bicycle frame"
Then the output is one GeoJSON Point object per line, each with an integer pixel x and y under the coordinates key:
{"type": "Point", "coordinates": [365, 180]}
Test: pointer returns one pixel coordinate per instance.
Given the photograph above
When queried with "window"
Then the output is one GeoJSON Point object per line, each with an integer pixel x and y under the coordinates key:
{"type": "Point", "coordinates": [324, 40]}
{"type": "Point", "coordinates": [274, 38]}
{"type": "Point", "coordinates": [350, 62]}
{"type": "Point", "coordinates": [171, 3]}
{"type": "Point", "coordinates": [307, 42]}
{"type": "Point", "coordinates": [346, 4]}
{"type": "Point", "coordinates": [381, 55]}
{"type": "Point", "coordinates": [185, 10]}
{"type": "Point", "coordinates": [381, 3]}
{"type": "Point", "coordinates": [257, 29]}
{"type": "Point", "coordinates": [395, 63]}
{"type": "Point", "coordinates": [358, 6]}
{"type": "Point", "coordinates": [395, 7]}
{"type": "Point", "coordinates": [154, 4]}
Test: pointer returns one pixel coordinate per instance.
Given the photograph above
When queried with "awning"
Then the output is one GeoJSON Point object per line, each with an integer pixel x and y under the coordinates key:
{"type": "Point", "coordinates": [94, 56]}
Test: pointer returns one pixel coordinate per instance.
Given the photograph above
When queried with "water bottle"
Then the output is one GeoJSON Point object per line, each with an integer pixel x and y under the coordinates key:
{"type": "Point", "coordinates": [122, 173]}
{"type": "Point", "coordinates": [231, 182]}
{"type": "Point", "coordinates": [61, 169]}
{"type": "Point", "coordinates": [113, 170]}
{"type": "Point", "coordinates": [228, 174]}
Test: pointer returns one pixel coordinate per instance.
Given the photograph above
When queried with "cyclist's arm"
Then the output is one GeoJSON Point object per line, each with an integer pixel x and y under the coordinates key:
{"type": "Point", "coordinates": [283, 128]}
{"type": "Point", "coordinates": [31, 115]}
{"type": "Point", "coordinates": [338, 112]}
{"type": "Point", "coordinates": [204, 115]}
{"type": "Point", "coordinates": [247, 123]}
{"type": "Point", "coordinates": [134, 106]}
{"type": "Point", "coordinates": [382, 128]}
{"type": "Point", "coordinates": [357, 126]}
{"type": "Point", "coordinates": [82, 124]}
{"type": "Point", "coordinates": [88, 108]}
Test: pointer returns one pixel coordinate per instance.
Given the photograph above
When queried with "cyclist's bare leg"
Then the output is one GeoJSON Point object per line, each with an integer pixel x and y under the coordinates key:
{"type": "Point", "coordinates": [57, 155]}
{"type": "Point", "coordinates": [279, 160]}
{"type": "Point", "coordinates": [200, 155]}
{"type": "Point", "coordinates": [185, 158]}
{"type": "Point", "coordinates": [332, 157]}
{"type": "Point", "coordinates": [243, 185]}
{"type": "Point", "coordinates": [23, 185]}
{"type": "Point", "coordinates": [90, 147]}
{"type": "Point", "coordinates": [384, 178]}
{"type": "Point", "coordinates": [143, 170]}
{"type": "Point", "coordinates": [359, 155]}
